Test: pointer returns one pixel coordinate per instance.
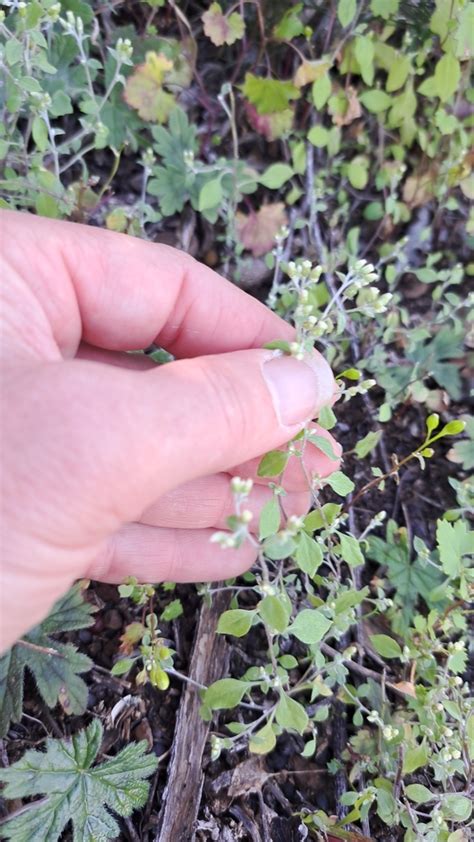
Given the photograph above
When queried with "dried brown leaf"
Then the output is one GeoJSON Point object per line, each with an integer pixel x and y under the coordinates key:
{"type": "Point", "coordinates": [256, 231]}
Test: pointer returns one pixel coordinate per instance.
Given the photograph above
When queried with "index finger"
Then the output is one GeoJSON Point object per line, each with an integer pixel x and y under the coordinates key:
{"type": "Point", "coordinates": [122, 293]}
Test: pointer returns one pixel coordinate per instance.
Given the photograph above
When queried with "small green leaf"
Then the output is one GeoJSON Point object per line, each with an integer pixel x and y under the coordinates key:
{"type": "Point", "coordinates": [276, 175]}
{"type": "Point", "coordinates": [278, 345]}
{"type": "Point", "coordinates": [274, 612]}
{"type": "Point", "coordinates": [419, 794]}
{"type": "Point", "coordinates": [358, 172]}
{"type": "Point", "coordinates": [237, 622]}
{"type": "Point", "coordinates": [454, 541]}
{"type": "Point", "coordinates": [278, 546]}
{"type": "Point", "coordinates": [326, 418]}
{"type": "Point", "coordinates": [456, 807]}
{"type": "Point", "coordinates": [376, 101]}
{"type": "Point", "coordinates": [263, 741]}
{"type": "Point", "coordinates": [340, 483]}
{"type": "Point", "coordinates": [414, 758]}
{"type": "Point", "coordinates": [122, 666]}
{"type": "Point", "coordinates": [346, 10]}
{"type": "Point", "coordinates": [318, 136]}
{"type": "Point", "coordinates": [350, 374]}
{"type": "Point", "coordinates": [225, 693]}
{"type": "Point", "coordinates": [309, 555]}
{"type": "Point", "coordinates": [385, 645]}
{"type": "Point", "coordinates": [321, 91]}
{"type": "Point", "coordinates": [310, 626]}
{"type": "Point", "coordinates": [273, 463]}
{"type": "Point", "coordinates": [368, 443]}
{"type": "Point", "coordinates": [323, 444]}
{"type": "Point", "coordinates": [350, 551]}
{"type": "Point", "coordinates": [173, 610]}
{"type": "Point", "coordinates": [322, 518]}
{"type": "Point", "coordinates": [270, 518]}
{"type": "Point", "coordinates": [446, 77]}
{"type": "Point", "coordinates": [291, 715]}
{"type": "Point", "coordinates": [39, 131]}
{"type": "Point", "coordinates": [210, 195]}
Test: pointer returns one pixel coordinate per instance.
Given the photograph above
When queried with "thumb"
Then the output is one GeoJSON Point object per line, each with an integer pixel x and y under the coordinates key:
{"type": "Point", "coordinates": [195, 417]}
{"type": "Point", "coordinates": [108, 442]}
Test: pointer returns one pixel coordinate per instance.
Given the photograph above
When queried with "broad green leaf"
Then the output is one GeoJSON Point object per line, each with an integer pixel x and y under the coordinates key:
{"type": "Point", "coordinates": [263, 741]}
{"type": "Point", "coordinates": [398, 73]}
{"type": "Point", "coordinates": [273, 463]}
{"type": "Point", "coordinates": [454, 541]}
{"type": "Point", "coordinates": [210, 194]}
{"type": "Point", "coordinates": [346, 10]}
{"type": "Point", "coordinates": [221, 28]}
{"type": "Point", "coordinates": [318, 136]}
{"type": "Point", "coordinates": [322, 518]}
{"type": "Point", "coordinates": [39, 131]}
{"type": "Point", "coordinates": [75, 790]}
{"type": "Point", "coordinates": [419, 794]}
{"type": "Point", "coordinates": [278, 546]}
{"type": "Point", "coordinates": [358, 171]}
{"type": "Point", "coordinates": [144, 89]}
{"type": "Point", "coordinates": [368, 443]}
{"type": "Point", "coordinates": [269, 95]}
{"type": "Point", "coordinates": [326, 418]}
{"type": "Point", "coordinates": [290, 25]}
{"type": "Point", "coordinates": [340, 483]}
{"type": "Point", "coordinates": [321, 91]}
{"type": "Point", "coordinates": [237, 622]}
{"type": "Point", "coordinates": [309, 555]}
{"type": "Point", "coordinates": [270, 518]}
{"type": "Point", "coordinates": [323, 444]}
{"type": "Point", "coordinates": [364, 53]}
{"type": "Point", "coordinates": [414, 758]}
{"type": "Point", "coordinates": [291, 715]}
{"type": "Point", "coordinates": [310, 626]}
{"type": "Point", "coordinates": [350, 550]}
{"type": "Point", "coordinates": [446, 77]}
{"type": "Point", "coordinates": [384, 8]}
{"type": "Point", "coordinates": [276, 175]}
{"type": "Point", "coordinates": [275, 614]}
{"type": "Point", "coordinates": [375, 101]}
{"type": "Point", "coordinates": [57, 676]}
{"type": "Point", "coordinates": [385, 645]}
{"type": "Point", "coordinates": [225, 693]}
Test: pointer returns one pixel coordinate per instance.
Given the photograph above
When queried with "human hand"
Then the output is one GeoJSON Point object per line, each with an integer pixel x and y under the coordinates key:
{"type": "Point", "coordinates": [110, 467]}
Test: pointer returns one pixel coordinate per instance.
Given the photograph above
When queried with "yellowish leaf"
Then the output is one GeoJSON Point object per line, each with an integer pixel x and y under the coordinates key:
{"type": "Point", "coordinates": [221, 28]}
{"type": "Point", "coordinates": [144, 89]}
{"type": "Point", "coordinates": [310, 71]}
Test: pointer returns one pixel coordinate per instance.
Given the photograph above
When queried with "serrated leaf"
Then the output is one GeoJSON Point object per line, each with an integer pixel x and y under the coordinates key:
{"type": "Point", "coordinates": [236, 621]}
{"type": "Point", "coordinates": [221, 28]}
{"type": "Point", "coordinates": [291, 715]}
{"type": "Point", "coordinates": [290, 25]}
{"type": "Point", "coordinates": [269, 95]}
{"type": "Point", "coordinates": [309, 555]}
{"type": "Point", "coordinates": [76, 790]}
{"type": "Point", "coordinates": [310, 626]}
{"type": "Point", "coordinates": [57, 675]}
{"type": "Point", "coordinates": [454, 541]}
{"type": "Point", "coordinates": [225, 693]}
{"type": "Point", "coordinates": [273, 463]}
{"type": "Point", "coordinates": [386, 646]}
{"type": "Point", "coordinates": [270, 517]}
{"type": "Point", "coordinates": [144, 89]}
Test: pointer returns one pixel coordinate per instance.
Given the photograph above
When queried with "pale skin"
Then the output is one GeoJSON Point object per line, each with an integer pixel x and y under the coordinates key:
{"type": "Point", "coordinates": [112, 466]}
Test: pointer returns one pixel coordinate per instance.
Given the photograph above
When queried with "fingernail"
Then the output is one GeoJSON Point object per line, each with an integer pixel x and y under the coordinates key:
{"type": "Point", "coordinates": [298, 388]}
